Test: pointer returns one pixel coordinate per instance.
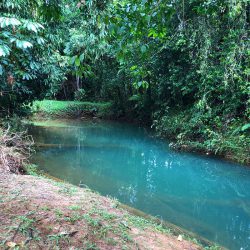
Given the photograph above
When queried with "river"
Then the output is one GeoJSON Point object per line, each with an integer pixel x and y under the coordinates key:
{"type": "Point", "coordinates": [202, 194]}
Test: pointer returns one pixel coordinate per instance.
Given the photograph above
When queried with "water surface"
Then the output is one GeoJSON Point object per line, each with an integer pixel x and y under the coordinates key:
{"type": "Point", "coordinates": [207, 196]}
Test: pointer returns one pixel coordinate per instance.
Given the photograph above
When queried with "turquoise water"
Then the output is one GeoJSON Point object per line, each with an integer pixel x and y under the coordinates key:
{"type": "Point", "coordinates": [207, 196]}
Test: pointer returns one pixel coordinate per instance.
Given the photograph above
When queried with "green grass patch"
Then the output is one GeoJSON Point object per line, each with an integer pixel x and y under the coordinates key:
{"type": "Point", "coordinates": [64, 108]}
{"type": "Point", "coordinates": [32, 169]}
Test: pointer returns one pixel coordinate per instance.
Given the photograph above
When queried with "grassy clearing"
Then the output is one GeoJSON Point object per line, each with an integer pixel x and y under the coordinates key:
{"type": "Point", "coordinates": [72, 108]}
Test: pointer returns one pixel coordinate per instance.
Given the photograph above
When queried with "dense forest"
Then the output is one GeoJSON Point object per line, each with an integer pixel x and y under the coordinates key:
{"type": "Point", "coordinates": [180, 66]}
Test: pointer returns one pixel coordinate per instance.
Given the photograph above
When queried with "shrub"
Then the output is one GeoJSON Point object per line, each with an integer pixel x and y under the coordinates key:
{"type": "Point", "coordinates": [80, 95]}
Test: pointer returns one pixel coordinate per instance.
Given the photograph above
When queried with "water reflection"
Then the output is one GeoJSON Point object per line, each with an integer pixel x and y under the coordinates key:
{"type": "Point", "coordinates": [207, 196]}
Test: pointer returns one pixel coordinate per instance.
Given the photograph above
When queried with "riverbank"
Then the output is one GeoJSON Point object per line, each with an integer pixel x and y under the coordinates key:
{"type": "Point", "coordinates": [40, 213]}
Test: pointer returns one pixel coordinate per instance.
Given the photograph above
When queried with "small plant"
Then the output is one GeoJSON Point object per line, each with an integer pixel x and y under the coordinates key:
{"type": "Point", "coordinates": [111, 241]}
{"type": "Point", "coordinates": [94, 222]}
{"type": "Point", "coordinates": [37, 107]}
{"type": "Point", "coordinates": [75, 207]}
{"type": "Point", "coordinates": [45, 208]}
{"type": "Point", "coordinates": [57, 238]}
{"type": "Point", "coordinates": [80, 95]}
{"type": "Point", "coordinates": [32, 169]}
{"type": "Point", "coordinates": [58, 213]}
{"type": "Point", "coordinates": [215, 247]}
{"type": "Point", "coordinates": [125, 236]}
{"type": "Point", "coordinates": [26, 227]}
{"type": "Point", "coordinates": [104, 214]}
{"type": "Point", "coordinates": [90, 246]}
{"type": "Point", "coordinates": [68, 190]}
{"type": "Point", "coordinates": [26, 224]}
{"type": "Point", "coordinates": [73, 218]}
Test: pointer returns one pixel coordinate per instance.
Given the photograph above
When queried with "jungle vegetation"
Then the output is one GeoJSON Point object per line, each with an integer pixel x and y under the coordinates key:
{"type": "Point", "coordinates": [180, 66]}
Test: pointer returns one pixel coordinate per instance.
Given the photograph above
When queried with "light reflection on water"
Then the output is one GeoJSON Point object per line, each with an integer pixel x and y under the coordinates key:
{"type": "Point", "coordinates": [207, 196]}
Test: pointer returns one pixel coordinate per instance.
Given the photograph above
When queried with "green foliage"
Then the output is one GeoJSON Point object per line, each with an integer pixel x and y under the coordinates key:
{"type": "Point", "coordinates": [22, 51]}
{"type": "Point", "coordinates": [80, 95]}
{"type": "Point", "coordinates": [190, 130]}
{"type": "Point", "coordinates": [14, 122]}
{"type": "Point", "coordinates": [32, 169]}
{"type": "Point", "coordinates": [58, 238]}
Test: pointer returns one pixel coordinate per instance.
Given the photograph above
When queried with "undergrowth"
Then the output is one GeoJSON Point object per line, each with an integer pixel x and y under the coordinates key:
{"type": "Point", "coordinates": [193, 130]}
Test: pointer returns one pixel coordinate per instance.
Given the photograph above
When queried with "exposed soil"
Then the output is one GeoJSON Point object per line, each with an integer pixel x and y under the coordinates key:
{"type": "Point", "coordinates": [39, 213]}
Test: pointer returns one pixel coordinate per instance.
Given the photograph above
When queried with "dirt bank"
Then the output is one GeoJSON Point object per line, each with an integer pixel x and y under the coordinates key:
{"type": "Point", "coordinates": [39, 213]}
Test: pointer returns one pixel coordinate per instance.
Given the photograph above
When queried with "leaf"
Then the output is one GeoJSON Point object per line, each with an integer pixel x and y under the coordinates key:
{"type": "Point", "coordinates": [152, 33]}
{"type": "Point", "coordinates": [245, 127]}
{"type": "Point", "coordinates": [148, 18]}
{"type": "Point", "coordinates": [133, 67]}
{"type": "Point", "coordinates": [77, 61]}
{"type": "Point", "coordinates": [23, 44]}
{"type": "Point", "coordinates": [154, 14]}
{"type": "Point", "coordinates": [143, 48]}
{"type": "Point", "coordinates": [27, 44]}
{"type": "Point", "coordinates": [143, 84]}
{"type": "Point", "coordinates": [32, 26]}
{"type": "Point", "coordinates": [139, 84]}
{"type": "Point", "coordinates": [1, 70]}
{"type": "Point", "coordinates": [27, 76]}
{"type": "Point", "coordinates": [6, 21]}
{"type": "Point", "coordinates": [4, 50]}
{"type": "Point", "coordinates": [82, 57]}
{"type": "Point", "coordinates": [72, 59]}
{"type": "Point", "coordinates": [135, 98]}
{"type": "Point", "coordinates": [12, 39]}
{"type": "Point", "coordinates": [40, 40]}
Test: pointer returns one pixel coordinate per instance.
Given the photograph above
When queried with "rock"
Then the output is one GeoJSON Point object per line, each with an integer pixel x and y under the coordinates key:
{"type": "Point", "coordinates": [180, 238]}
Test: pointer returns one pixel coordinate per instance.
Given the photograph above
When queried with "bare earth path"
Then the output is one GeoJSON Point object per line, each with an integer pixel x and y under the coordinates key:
{"type": "Point", "coordinates": [39, 213]}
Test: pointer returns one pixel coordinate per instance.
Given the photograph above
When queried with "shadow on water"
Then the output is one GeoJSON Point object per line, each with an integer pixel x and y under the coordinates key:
{"type": "Point", "coordinates": [207, 196]}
